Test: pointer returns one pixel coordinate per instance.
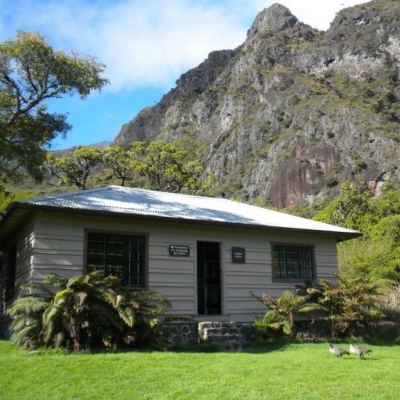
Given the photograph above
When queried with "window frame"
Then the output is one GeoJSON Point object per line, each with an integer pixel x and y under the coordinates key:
{"type": "Point", "coordinates": [294, 280]}
{"type": "Point", "coordinates": [144, 235]}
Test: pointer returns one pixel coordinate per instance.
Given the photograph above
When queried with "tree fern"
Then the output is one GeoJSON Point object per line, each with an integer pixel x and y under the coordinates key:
{"type": "Point", "coordinates": [88, 310]}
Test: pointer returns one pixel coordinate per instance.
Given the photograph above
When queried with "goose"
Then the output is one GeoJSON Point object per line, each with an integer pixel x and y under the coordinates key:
{"type": "Point", "coordinates": [337, 351]}
{"type": "Point", "coordinates": [359, 350]}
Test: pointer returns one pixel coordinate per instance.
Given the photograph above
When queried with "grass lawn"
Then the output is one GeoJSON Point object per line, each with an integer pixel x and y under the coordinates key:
{"type": "Point", "coordinates": [296, 371]}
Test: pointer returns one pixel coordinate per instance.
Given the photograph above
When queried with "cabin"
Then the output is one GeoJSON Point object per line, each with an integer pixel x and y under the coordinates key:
{"type": "Point", "coordinates": [208, 256]}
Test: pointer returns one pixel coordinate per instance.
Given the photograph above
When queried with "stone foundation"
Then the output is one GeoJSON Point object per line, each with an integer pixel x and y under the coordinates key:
{"type": "Point", "coordinates": [228, 335]}
{"type": "Point", "coordinates": [179, 333]}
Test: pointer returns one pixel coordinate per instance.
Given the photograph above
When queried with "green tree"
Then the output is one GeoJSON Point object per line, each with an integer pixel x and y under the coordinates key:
{"type": "Point", "coordinates": [166, 168]}
{"type": "Point", "coordinates": [351, 209]}
{"type": "Point", "coordinates": [6, 198]}
{"type": "Point", "coordinates": [75, 167]}
{"type": "Point", "coordinates": [123, 164]}
{"type": "Point", "coordinates": [376, 256]}
{"type": "Point", "coordinates": [32, 73]}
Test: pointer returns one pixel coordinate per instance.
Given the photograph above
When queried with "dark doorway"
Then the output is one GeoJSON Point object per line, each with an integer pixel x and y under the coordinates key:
{"type": "Point", "coordinates": [208, 278]}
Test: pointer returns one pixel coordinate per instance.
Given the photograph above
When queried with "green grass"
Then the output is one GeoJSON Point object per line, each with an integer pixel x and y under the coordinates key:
{"type": "Point", "coordinates": [296, 371]}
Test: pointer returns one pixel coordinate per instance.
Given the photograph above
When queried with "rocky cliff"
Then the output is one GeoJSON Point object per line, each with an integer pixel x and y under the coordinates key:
{"type": "Point", "coordinates": [293, 111]}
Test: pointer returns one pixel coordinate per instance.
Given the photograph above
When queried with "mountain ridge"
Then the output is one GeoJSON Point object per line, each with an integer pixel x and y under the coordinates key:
{"type": "Point", "coordinates": [292, 112]}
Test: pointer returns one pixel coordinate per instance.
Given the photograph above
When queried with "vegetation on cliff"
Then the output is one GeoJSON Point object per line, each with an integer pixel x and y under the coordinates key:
{"type": "Point", "coordinates": [293, 112]}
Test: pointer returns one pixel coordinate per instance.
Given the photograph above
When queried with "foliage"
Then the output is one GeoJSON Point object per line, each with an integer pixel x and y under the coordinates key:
{"type": "Point", "coordinates": [75, 167]}
{"type": "Point", "coordinates": [155, 165]}
{"type": "Point", "coordinates": [280, 317]}
{"type": "Point", "coordinates": [123, 164]}
{"type": "Point", "coordinates": [350, 307]}
{"type": "Point", "coordinates": [306, 210]}
{"type": "Point", "coordinates": [89, 311]}
{"type": "Point", "coordinates": [6, 198]}
{"type": "Point", "coordinates": [31, 73]}
{"type": "Point", "coordinates": [393, 297]}
{"type": "Point", "coordinates": [165, 167]}
{"type": "Point", "coordinates": [351, 208]}
{"type": "Point", "coordinates": [376, 259]}
{"type": "Point", "coordinates": [26, 327]}
{"type": "Point", "coordinates": [375, 256]}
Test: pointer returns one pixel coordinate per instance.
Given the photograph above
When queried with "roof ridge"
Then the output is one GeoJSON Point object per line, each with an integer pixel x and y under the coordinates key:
{"type": "Point", "coordinates": [178, 194]}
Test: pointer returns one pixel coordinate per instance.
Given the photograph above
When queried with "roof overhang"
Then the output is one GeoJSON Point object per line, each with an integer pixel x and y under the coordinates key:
{"type": "Point", "coordinates": [17, 214]}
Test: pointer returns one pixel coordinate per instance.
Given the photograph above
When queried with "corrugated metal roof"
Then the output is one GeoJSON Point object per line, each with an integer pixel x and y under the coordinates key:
{"type": "Point", "coordinates": [132, 201]}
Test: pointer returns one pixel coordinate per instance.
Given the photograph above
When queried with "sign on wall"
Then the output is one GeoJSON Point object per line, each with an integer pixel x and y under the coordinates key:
{"type": "Point", "coordinates": [179, 250]}
{"type": "Point", "coordinates": [238, 255]}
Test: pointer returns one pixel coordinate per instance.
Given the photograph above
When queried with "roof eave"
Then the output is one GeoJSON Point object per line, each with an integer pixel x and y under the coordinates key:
{"type": "Point", "coordinates": [340, 236]}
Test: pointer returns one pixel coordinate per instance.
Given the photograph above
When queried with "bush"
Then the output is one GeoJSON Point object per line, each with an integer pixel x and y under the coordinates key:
{"type": "Point", "coordinates": [89, 311]}
{"type": "Point", "coordinates": [350, 309]}
{"type": "Point", "coordinates": [393, 298]}
{"type": "Point", "coordinates": [278, 321]}
{"type": "Point", "coordinates": [375, 256]}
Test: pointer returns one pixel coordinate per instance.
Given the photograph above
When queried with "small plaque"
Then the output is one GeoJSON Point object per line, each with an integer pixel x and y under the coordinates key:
{"type": "Point", "coordinates": [238, 255]}
{"type": "Point", "coordinates": [179, 250]}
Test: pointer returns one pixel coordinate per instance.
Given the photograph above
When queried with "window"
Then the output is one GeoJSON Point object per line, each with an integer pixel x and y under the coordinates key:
{"type": "Point", "coordinates": [118, 255]}
{"type": "Point", "coordinates": [292, 262]}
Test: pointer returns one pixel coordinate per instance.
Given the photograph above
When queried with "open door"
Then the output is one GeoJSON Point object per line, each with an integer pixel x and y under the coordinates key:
{"type": "Point", "coordinates": [208, 278]}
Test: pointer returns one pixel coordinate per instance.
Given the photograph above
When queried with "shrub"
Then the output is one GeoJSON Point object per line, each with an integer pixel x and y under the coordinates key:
{"type": "Point", "coordinates": [390, 304]}
{"type": "Point", "coordinates": [89, 311]}
{"type": "Point", "coordinates": [278, 321]}
{"type": "Point", "coordinates": [393, 298]}
{"type": "Point", "coordinates": [375, 256]}
{"type": "Point", "coordinates": [27, 327]}
{"type": "Point", "coordinates": [350, 309]}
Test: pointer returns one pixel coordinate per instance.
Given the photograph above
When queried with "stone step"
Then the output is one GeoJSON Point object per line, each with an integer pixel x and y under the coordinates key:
{"type": "Point", "coordinates": [233, 336]}
{"type": "Point", "coordinates": [222, 333]}
{"type": "Point", "coordinates": [222, 338]}
{"type": "Point", "coordinates": [222, 330]}
{"type": "Point", "coordinates": [216, 324]}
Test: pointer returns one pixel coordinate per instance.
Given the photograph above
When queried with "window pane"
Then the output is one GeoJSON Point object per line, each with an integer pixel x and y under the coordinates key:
{"type": "Point", "coordinates": [292, 262]}
{"type": "Point", "coordinates": [142, 262]}
{"type": "Point", "coordinates": [119, 255]}
{"type": "Point", "coordinates": [95, 252]}
{"type": "Point", "coordinates": [278, 262]}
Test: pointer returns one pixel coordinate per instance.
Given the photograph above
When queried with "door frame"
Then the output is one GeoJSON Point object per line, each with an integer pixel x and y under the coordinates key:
{"type": "Point", "coordinates": [221, 280]}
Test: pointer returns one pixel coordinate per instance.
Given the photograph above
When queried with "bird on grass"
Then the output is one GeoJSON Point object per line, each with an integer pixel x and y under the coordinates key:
{"type": "Point", "coordinates": [360, 351]}
{"type": "Point", "coordinates": [337, 351]}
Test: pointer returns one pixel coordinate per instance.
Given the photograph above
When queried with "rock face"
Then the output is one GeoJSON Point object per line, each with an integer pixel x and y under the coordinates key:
{"type": "Point", "coordinates": [292, 112]}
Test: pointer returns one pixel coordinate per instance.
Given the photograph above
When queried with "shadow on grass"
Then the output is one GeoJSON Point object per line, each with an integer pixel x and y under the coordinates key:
{"type": "Point", "coordinates": [255, 348]}
{"type": "Point", "coordinates": [266, 347]}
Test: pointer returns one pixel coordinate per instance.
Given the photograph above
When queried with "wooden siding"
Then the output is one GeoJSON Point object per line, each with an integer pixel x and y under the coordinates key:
{"type": "Point", "coordinates": [24, 251]}
{"type": "Point", "coordinates": [59, 246]}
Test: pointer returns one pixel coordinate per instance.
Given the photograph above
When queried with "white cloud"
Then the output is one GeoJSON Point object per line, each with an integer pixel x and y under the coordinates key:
{"type": "Point", "coordinates": [150, 43]}
{"type": "Point", "coordinates": [317, 13]}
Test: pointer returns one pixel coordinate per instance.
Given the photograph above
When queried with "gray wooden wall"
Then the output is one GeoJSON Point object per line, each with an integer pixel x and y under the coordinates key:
{"type": "Point", "coordinates": [55, 243]}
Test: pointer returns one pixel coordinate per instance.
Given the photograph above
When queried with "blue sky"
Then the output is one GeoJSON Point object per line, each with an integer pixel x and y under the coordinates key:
{"type": "Point", "coordinates": [145, 46]}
